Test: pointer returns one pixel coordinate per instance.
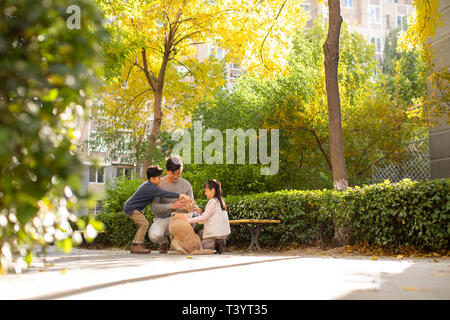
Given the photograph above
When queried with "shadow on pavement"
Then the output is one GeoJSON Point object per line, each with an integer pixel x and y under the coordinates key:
{"type": "Point", "coordinates": [71, 292]}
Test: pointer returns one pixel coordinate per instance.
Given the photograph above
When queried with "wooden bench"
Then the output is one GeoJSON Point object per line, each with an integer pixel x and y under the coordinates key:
{"type": "Point", "coordinates": [254, 226]}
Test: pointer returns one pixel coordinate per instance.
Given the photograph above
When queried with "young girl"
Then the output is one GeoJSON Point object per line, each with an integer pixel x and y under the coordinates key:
{"type": "Point", "coordinates": [215, 218]}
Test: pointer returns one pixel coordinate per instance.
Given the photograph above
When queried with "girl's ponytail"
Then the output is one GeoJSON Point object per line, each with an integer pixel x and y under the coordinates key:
{"type": "Point", "coordinates": [214, 184]}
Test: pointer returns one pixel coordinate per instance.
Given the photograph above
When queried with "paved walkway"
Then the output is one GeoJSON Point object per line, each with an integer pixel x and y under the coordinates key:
{"type": "Point", "coordinates": [116, 274]}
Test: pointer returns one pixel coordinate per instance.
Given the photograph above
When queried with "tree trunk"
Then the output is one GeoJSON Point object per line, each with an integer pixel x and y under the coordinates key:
{"type": "Point", "coordinates": [157, 85]}
{"type": "Point", "coordinates": [156, 126]}
{"type": "Point", "coordinates": [331, 61]}
{"type": "Point", "coordinates": [138, 158]}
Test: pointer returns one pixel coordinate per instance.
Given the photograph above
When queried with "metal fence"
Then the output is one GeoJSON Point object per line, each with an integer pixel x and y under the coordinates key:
{"type": "Point", "coordinates": [416, 165]}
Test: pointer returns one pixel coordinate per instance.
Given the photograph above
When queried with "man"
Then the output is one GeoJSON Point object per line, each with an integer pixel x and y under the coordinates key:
{"type": "Point", "coordinates": [140, 199]}
{"type": "Point", "coordinates": [164, 206]}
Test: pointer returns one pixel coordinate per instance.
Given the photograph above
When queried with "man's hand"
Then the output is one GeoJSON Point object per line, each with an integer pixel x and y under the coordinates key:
{"type": "Point", "coordinates": [186, 198]}
{"type": "Point", "coordinates": [179, 204]}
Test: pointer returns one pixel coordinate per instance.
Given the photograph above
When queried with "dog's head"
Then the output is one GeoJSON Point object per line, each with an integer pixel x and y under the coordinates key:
{"type": "Point", "coordinates": [189, 206]}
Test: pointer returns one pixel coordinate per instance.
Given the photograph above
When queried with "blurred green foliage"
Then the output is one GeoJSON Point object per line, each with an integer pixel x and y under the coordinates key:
{"type": "Point", "coordinates": [49, 75]}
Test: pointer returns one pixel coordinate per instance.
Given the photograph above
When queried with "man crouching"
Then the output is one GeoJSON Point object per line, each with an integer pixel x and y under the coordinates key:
{"type": "Point", "coordinates": [140, 199]}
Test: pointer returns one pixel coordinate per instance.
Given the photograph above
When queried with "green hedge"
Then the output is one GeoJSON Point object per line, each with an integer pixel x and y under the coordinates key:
{"type": "Point", "coordinates": [414, 214]}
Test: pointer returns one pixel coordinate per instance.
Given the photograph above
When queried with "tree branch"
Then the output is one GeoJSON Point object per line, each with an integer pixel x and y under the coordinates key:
{"type": "Point", "coordinates": [319, 144]}
{"type": "Point", "coordinates": [150, 77]}
{"type": "Point", "coordinates": [177, 40]}
{"type": "Point", "coordinates": [188, 69]}
{"type": "Point", "coordinates": [134, 98]}
{"type": "Point", "coordinates": [268, 32]}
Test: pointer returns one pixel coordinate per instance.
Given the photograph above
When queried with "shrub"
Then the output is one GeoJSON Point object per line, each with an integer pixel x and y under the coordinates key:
{"type": "Point", "coordinates": [301, 220]}
{"type": "Point", "coordinates": [409, 213]}
{"type": "Point", "coordinates": [120, 230]}
{"type": "Point", "coordinates": [117, 191]}
{"type": "Point", "coordinates": [414, 214]}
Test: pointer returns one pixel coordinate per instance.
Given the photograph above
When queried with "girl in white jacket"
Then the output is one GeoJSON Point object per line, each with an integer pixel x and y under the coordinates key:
{"type": "Point", "coordinates": [215, 218]}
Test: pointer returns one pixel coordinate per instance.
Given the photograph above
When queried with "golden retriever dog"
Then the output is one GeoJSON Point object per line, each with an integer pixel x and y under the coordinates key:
{"type": "Point", "coordinates": [183, 239]}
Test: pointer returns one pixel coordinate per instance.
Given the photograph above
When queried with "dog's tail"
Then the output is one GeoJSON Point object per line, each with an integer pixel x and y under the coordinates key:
{"type": "Point", "coordinates": [203, 251]}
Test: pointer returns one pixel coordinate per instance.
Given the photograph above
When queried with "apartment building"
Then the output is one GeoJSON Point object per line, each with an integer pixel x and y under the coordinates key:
{"type": "Point", "coordinates": [232, 70]}
{"type": "Point", "coordinates": [97, 169]}
{"type": "Point", "coordinates": [371, 18]}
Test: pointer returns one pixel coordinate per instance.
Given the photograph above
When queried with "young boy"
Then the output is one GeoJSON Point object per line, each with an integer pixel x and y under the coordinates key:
{"type": "Point", "coordinates": [140, 199]}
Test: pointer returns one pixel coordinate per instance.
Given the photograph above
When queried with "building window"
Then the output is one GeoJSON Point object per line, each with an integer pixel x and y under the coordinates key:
{"type": "Point", "coordinates": [375, 14]}
{"type": "Point", "coordinates": [97, 208]}
{"type": "Point", "coordinates": [124, 172]}
{"type": "Point", "coordinates": [234, 76]}
{"type": "Point", "coordinates": [216, 52]}
{"type": "Point", "coordinates": [376, 74]}
{"type": "Point", "coordinates": [96, 174]}
{"type": "Point", "coordinates": [377, 43]}
{"type": "Point", "coordinates": [388, 21]}
{"type": "Point", "coordinates": [325, 14]}
{"type": "Point", "coordinates": [307, 9]}
{"type": "Point", "coordinates": [402, 22]}
{"type": "Point", "coordinates": [182, 70]}
{"type": "Point", "coordinates": [348, 3]}
{"type": "Point", "coordinates": [234, 66]}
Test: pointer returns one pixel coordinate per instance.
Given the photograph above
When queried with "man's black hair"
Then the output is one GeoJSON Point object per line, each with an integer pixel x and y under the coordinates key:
{"type": "Point", "coordinates": [154, 171]}
{"type": "Point", "coordinates": [174, 163]}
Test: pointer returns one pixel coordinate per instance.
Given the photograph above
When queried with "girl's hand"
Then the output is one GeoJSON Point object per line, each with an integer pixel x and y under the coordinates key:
{"type": "Point", "coordinates": [198, 210]}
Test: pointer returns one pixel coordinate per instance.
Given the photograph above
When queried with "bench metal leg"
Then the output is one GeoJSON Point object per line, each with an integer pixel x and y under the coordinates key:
{"type": "Point", "coordinates": [254, 233]}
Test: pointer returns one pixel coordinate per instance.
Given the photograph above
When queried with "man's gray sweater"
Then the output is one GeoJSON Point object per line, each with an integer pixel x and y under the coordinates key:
{"type": "Point", "coordinates": [161, 206]}
{"type": "Point", "coordinates": [144, 195]}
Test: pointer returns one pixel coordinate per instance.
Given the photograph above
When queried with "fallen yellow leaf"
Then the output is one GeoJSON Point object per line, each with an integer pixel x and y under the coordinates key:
{"type": "Point", "coordinates": [63, 271]}
{"type": "Point", "coordinates": [374, 258]}
{"type": "Point", "coordinates": [188, 257]}
{"type": "Point", "coordinates": [435, 254]}
{"type": "Point", "coordinates": [410, 288]}
{"type": "Point", "coordinates": [442, 274]}
{"type": "Point", "coordinates": [400, 256]}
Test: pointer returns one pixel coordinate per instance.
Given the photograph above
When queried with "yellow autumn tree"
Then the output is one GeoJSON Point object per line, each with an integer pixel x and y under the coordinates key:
{"type": "Point", "coordinates": [154, 59]}
{"type": "Point", "coordinates": [422, 27]}
{"type": "Point", "coordinates": [374, 125]}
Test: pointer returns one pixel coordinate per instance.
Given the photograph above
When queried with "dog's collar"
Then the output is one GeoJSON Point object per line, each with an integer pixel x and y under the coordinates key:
{"type": "Point", "coordinates": [178, 212]}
